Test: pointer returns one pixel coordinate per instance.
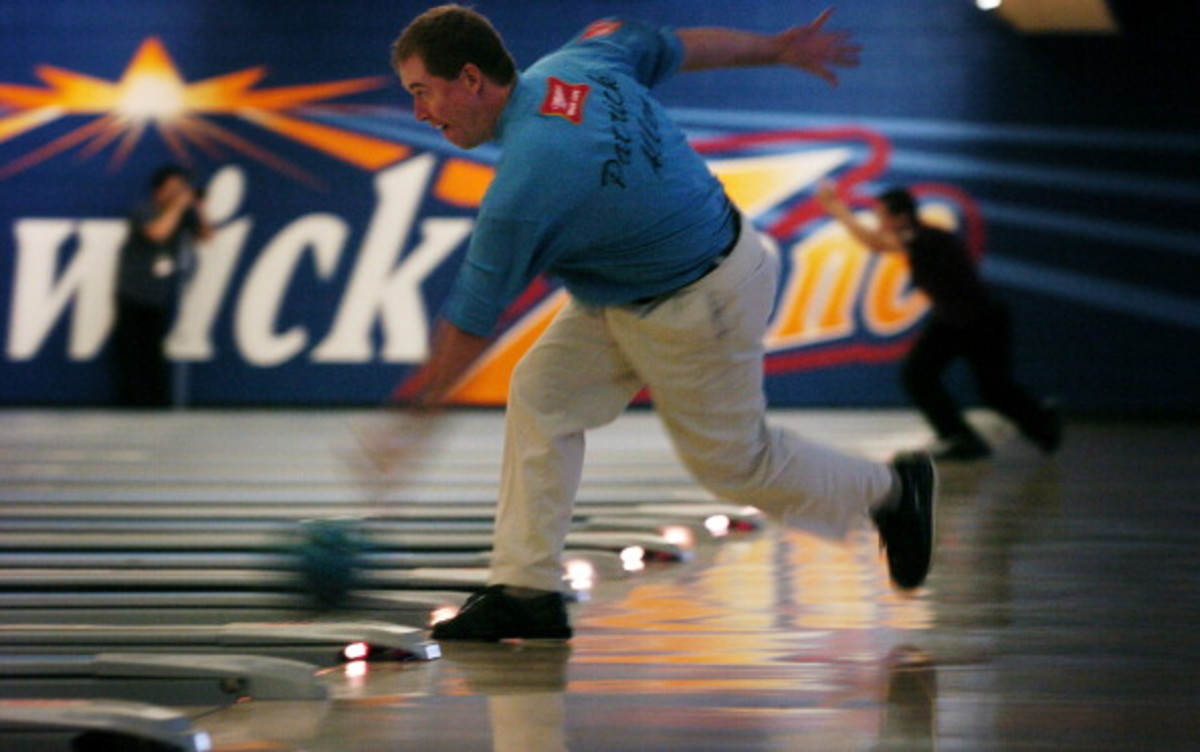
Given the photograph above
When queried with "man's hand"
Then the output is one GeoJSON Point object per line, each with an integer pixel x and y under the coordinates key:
{"type": "Point", "coordinates": [452, 353]}
{"type": "Point", "coordinates": [827, 195]}
{"type": "Point", "coordinates": [815, 50]}
{"type": "Point", "coordinates": [809, 48]}
{"type": "Point", "coordinates": [392, 442]}
{"type": "Point", "coordinates": [876, 239]}
{"type": "Point", "coordinates": [415, 412]}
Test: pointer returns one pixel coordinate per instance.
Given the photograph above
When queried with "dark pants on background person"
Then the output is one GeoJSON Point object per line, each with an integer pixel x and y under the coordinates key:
{"type": "Point", "coordinates": [986, 345]}
{"type": "Point", "coordinates": [141, 371]}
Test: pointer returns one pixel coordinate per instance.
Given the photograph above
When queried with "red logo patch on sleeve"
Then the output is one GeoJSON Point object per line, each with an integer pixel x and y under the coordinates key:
{"type": "Point", "coordinates": [564, 99]}
{"type": "Point", "coordinates": [601, 28]}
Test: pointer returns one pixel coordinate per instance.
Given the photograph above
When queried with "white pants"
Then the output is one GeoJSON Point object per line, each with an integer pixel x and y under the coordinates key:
{"type": "Point", "coordinates": [700, 352]}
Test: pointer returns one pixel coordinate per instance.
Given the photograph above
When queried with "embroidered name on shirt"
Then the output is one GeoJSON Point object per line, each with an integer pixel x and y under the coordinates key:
{"type": "Point", "coordinates": [635, 131]}
{"type": "Point", "coordinates": [564, 99]}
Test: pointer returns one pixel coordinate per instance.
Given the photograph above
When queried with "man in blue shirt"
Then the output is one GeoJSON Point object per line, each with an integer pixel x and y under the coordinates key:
{"type": "Point", "coordinates": [670, 290]}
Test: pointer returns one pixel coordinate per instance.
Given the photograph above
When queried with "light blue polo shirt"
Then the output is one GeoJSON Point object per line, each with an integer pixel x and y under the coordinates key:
{"type": "Point", "coordinates": [595, 186]}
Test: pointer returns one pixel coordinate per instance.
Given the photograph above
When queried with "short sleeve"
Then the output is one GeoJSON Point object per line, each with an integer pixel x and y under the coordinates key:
{"type": "Point", "coordinates": [651, 54]}
{"type": "Point", "coordinates": [497, 268]}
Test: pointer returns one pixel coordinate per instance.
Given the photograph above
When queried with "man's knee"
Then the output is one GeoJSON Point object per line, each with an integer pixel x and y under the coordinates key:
{"type": "Point", "coordinates": [732, 471]}
{"type": "Point", "coordinates": [530, 388]}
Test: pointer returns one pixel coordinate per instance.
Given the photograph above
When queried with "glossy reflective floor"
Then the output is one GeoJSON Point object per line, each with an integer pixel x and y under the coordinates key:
{"type": "Point", "coordinates": [1062, 613]}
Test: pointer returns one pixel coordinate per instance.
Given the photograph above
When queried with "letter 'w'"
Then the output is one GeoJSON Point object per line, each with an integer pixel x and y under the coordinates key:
{"type": "Point", "coordinates": [88, 280]}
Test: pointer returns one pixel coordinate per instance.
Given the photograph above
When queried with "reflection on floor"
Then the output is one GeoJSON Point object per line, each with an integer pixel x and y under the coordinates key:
{"type": "Point", "coordinates": [1060, 614]}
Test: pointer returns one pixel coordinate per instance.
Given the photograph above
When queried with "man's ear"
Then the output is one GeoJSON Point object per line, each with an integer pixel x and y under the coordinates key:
{"type": "Point", "coordinates": [472, 76]}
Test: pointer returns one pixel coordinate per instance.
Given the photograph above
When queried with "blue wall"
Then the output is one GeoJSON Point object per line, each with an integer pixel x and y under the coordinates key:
{"type": "Point", "coordinates": [1073, 161]}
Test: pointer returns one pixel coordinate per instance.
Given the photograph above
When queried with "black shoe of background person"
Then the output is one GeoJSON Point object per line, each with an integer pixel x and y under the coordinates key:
{"type": "Point", "coordinates": [906, 530]}
{"type": "Point", "coordinates": [492, 615]}
{"type": "Point", "coordinates": [966, 447]}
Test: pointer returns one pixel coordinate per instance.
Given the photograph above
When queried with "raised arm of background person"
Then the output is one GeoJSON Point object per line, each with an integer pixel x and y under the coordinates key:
{"type": "Point", "coordinates": [204, 229]}
{"type": "Point", "coordinates": [876, 239]}
{"type": "Point", "coordinates": [808, 48]}
{"type": "Point", "coordinates": [164, 223]}
{"type": "Point", "coordinates": [452, 352]}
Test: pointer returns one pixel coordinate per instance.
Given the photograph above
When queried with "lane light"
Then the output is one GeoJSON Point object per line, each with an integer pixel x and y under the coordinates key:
{"type": "Point", "coordinates": [633, 558]}
{"type": "Point", "coordinates": [717, 525]}
{"type": "Point", "coordinates": [580, 575]}
{"type": "Point", "coordinates": [679, 535]}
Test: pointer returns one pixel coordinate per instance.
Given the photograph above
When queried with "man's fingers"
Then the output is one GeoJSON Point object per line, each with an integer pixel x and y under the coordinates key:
{"type": "Point", "coordinates": [821, 19]}
{"type": "Point", "coordinates": [847, 58]}
{"type": "Point", "coordinates": [397, 438]}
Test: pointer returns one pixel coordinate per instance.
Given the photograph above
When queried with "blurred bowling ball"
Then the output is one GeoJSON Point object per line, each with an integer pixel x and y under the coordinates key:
{"type": "Point", "coordinates": [329, 557]}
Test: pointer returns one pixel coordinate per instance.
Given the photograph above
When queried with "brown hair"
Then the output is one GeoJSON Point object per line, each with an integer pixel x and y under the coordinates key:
{"type": "Point", "coordinates": [448, 37]}
{"type": "Point", "coordinates": [899, 201]}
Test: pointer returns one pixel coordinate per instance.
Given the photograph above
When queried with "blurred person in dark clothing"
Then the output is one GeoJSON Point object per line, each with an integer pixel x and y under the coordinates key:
{"type": "Point", "coordinates": [163, 230]}
{"type": "Point", "coordinates": [967, 322]}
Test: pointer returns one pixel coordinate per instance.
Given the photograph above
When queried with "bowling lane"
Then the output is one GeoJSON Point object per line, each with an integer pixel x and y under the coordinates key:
{"type": "Point", "coordinates": [1058, 617]}
{"type": "Point", "coordinates": [1060, 613]}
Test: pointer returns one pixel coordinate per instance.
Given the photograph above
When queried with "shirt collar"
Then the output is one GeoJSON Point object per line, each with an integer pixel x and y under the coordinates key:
{"type": "Point", "coordinates": [517, 97]}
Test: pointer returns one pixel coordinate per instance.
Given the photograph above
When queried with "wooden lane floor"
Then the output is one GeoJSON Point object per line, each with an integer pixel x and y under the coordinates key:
{"type": "Point", "coordinates": [1060, 614]}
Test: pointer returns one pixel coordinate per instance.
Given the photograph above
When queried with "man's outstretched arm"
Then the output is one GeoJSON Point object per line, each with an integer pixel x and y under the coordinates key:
{"type": "Point", "coordinates": [875, 239]}
{"type": "Point", "coordinates": [453, 351]}
{"type": "Point", "coordinates": [808, 48]}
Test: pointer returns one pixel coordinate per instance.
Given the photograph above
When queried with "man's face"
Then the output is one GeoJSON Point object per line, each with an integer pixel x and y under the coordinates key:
{"type": "Point", "coordinates": [171, 188]}
{"type": "Point", "coordinates": [453, 106]}
{"type": "Point", "coordinates": [897, 223]}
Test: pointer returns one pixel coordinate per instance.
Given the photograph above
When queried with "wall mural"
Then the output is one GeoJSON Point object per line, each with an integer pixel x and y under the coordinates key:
{"type": "Point", "coordinates": [339, 221]}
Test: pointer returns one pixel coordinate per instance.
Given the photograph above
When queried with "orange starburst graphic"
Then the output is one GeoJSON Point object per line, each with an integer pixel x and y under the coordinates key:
{"type": "Point", "coordinates": [152, 94]}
